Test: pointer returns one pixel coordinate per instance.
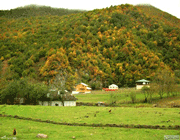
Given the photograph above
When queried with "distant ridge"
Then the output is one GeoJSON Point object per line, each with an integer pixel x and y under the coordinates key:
{"type": "Point", "coordinates": [36, 10]}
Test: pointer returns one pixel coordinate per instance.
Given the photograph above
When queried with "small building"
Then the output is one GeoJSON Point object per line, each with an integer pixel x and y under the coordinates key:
{"type": "Point", "coordinates": [81, 88]}
{"type": "Point", "coordinates": [67, 100]}
{"type": "Point", "coordinates": [113, 86]}
{"type": "Point", "coordinates": [141, 83]}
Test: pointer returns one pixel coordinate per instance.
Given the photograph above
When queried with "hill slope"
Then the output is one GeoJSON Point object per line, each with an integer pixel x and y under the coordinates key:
{"type": "Point", "coordinates": [36, 10]}
{"type": "Point", "coordinates": [120, 44]}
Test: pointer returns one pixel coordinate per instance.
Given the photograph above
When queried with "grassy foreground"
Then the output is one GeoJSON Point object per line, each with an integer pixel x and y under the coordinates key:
{"type": "Point", "coordinates": [89, 115]}
{"type": "Point", "coordinates": [29, 129]}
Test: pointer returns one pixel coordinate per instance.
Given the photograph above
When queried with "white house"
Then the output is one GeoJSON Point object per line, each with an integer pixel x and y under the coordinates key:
{"type": "Point", "coordinates": [141, 83]}
{"type": "Point", "coordinates": [113, 86]}
{"type": "Point", "coordinates": [68, 100]}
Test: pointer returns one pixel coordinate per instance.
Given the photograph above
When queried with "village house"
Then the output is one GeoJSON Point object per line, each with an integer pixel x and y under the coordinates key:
{"type": "Point", "coordinates": [141, 83]}
{"type": "Point", "coordinates": [66, 99]}
{"type": "Point", "coordinates": [81, 88]}
{"type": "Point", "coordinates": [113, 86]}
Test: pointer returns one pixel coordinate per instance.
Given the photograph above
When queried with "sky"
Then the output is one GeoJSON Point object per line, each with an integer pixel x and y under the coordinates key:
{"type": "Point", "coordinates": [170, 6]}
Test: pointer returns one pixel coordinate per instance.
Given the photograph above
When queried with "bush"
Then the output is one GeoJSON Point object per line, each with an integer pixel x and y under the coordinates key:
{"type": "Point", "coordinates": [113, 99]}
{"type": "Point", "coordinates": [133, 97]}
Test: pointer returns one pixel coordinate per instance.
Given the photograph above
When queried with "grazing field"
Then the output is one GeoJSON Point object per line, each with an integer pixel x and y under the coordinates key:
{"type": "Point", "coordinates": [104, 96]}
{"type": "Point", "coordinates": [89, 115]}
{"type": "Point", "coordinates": [28, 130]}
{"type": "Point", "coordinates": [134, 115]}
{"type": "Point", "coordinates": [123, 97]}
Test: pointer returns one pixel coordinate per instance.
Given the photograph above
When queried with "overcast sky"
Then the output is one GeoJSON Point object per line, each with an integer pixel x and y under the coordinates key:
{"type": "Point", "coordinates": [170, 6]}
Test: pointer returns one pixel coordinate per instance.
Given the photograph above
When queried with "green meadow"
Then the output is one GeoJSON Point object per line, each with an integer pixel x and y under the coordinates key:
{"type": "Point", "coordinates": [123, 98]}
{"type": "Point", "coordinates": [89, 115]}
{"type": "Point", "coordinates": [125, 113]}
{"type": "Point", "coordinates": [27, 130]}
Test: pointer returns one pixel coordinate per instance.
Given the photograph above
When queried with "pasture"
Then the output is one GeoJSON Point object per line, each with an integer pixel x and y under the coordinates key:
{"type": "Point", "coordinates": [27, 130]}
{"type": "Point", "coordinates": [131, 115]}
{"type": "Point", "coordinates": [89, 115]}
{"type": "Point", "coordinates": [122, 96]}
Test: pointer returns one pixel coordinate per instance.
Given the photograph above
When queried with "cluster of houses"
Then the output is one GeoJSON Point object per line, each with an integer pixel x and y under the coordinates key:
{"type": "Point", "coordinates": [70, 100]}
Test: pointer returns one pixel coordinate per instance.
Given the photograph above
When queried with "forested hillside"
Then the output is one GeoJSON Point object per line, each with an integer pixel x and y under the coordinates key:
{"type": "Point", "coordinates": [36, 10]}
{"type": "Point", "coordinates": [119, 44]}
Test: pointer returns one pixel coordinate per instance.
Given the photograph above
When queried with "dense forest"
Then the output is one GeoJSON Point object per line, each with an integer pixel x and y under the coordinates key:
{"type": "Point", "coordinates": [119, 44]}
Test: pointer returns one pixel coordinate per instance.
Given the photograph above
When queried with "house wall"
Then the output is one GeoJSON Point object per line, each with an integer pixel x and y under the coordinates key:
{"type": "Point", "coordinates": [113, 87]}
{"type": "Point", "coordinates": [69, 103]}
{"type": "Point", "coordinates": [75, 92]}
{"type": "Point", "coordinates": [88, 91]}
{"type": "Point", "coordinates": [57, 103]}
{"type": "Point", "coordinates": [140, 86]}
{"type": "Point", "coordinates": [44, 103]}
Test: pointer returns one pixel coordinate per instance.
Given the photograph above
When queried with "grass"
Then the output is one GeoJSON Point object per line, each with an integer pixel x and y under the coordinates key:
{"type": "Point", "coordinates": [85, 114]}
{"type": "Point", "coordinates": [28, 130]}
{"type": "Point", "coordinates": [104, 96]}
{"type": "Point", "coordinates": [123, 97]}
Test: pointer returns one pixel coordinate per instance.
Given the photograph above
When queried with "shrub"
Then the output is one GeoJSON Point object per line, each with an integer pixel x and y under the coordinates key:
{"type": "Point", "coordinates": [133, 97]}
{"type": "Point", "coordinates": [146, 91]}
{"type": "Point", "coordinates": [113, 99]}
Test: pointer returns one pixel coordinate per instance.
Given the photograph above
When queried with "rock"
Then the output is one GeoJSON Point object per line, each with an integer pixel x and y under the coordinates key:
{"type": "Point", "coordinates": [154, 105]}
{"type": "Point", "coordinates": [41, 136]}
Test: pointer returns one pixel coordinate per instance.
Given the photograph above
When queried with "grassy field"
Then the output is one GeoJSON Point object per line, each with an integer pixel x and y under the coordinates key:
{"type": "Point", "coordinates": [123, 97]}
{"type": "Point", "coordinates": [27, 130]}
{"type": "Point", "coordinates": [104, 96]}
{"type": "Point", "coordinates": [89, 115]}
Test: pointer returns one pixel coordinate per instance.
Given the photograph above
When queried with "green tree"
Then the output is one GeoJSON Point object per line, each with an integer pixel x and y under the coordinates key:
{"type": "Point", "coordinates": [165, 82]}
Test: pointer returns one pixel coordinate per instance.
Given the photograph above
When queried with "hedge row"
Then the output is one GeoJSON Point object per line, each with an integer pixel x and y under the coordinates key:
{"type": "Point", "coordinates": [176, 127]}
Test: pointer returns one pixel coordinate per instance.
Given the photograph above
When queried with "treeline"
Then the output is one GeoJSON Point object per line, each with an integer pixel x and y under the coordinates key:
{"type": "Point", "coordinates": [23, 91]}
{"type": "Point", "coordinates": [119, 44]}
{"type": "Point", "coordinates": [35, 10]}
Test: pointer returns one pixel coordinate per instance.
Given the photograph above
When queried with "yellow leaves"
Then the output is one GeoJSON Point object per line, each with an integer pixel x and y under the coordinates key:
{"type": "Point", "coordinates": [15, 37]}
{"type": "Point", "coordinates": [2, 58]}
{"type": "Point", "coordinates": [143, 31]}
{"type": "Point", "coordinates": [174, 38]}
{"type": "Point", "coordinates": [136, 61]}
{"type": "Point", "coordinates": [100, 35]}
{"type": "Point", "coordinates": [162, 64]}
{"type": "Point", "coordinates": [145, 58]}
{"type": "Point", "coordinates": [113, 38]}
{"type": "Point", "coordinates": [82, 41]}
{"type": "Point", "coordinates": [156, 58]}
{"type": "Point", "coordinates": [73, 43]}
{"type": "Point", "coordinates": [45, 73]}
{"type": "Point", "coordinates": [155, 43]}
{"type": "Point", "coordinates": [55, 62]}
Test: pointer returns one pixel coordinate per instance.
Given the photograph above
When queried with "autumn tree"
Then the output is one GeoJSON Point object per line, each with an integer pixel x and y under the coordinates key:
{"type": "Point", "coordinates": [165, 82]}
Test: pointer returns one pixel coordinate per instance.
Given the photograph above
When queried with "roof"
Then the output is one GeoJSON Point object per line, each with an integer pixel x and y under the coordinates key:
{"type": "Point", "coordinates": [58, 97]}
{"type": "Point", "coordinates": [67, 97]}
{"type": "Point", "coordinates": [142, 80]}
{"type": "Point", "coordinates": [84, 84]}
{"type": "Point", "coordinates": [88, 88]}
{"type": "Point", "coordinates": [113, 85]}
